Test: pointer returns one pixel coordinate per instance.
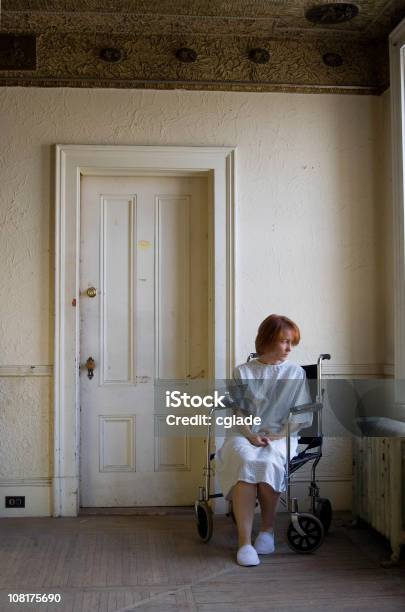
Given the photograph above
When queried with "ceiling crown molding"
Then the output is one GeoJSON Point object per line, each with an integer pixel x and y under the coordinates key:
{"type": "Point", "coordinates": [145, 36]}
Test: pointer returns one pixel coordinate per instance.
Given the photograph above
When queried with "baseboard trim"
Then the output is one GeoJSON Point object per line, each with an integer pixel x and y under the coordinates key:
{"type": "Point", "coordinates": [37, 493]}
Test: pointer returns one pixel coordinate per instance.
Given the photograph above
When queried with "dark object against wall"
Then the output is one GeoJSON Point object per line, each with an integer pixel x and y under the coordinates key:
{"type": "Point", "coordinates": [336, 12]}
{"type": "Point", "coordinates": [18, 52]}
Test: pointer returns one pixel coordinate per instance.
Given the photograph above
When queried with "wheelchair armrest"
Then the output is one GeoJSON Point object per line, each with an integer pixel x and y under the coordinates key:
{"type": "Point", "coordinates": [312, 407]}
{"type": "Point", "coordinates": [310, 441]}
{"type": "Point", "coordinates": [218, 408]}
{"type": "Point", "coordinates": [228, 401]}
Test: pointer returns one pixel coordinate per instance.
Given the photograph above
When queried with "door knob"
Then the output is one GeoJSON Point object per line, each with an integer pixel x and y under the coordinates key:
{"type": "Point", "coordinates": [90, 365]}
{"type": "Point", "coordinates": [91, 292]}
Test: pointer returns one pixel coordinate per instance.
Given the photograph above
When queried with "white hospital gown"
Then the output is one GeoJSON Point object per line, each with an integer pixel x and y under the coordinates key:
{"type": "Point", "coordinates": [268, 391]}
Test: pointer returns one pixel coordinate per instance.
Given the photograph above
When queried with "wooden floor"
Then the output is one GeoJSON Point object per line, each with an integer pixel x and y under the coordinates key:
{"type": "Point", "coordinates": [157, 563]}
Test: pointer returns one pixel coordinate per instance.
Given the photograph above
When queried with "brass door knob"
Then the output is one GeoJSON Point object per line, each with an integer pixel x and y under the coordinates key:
{"type": "Point", "coordinates": [91, 292]}
{"type": "Point", "coordinates": [90, 365]}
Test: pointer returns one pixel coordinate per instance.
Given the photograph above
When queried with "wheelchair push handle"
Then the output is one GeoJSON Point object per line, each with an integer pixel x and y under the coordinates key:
{"type": "Point", "coordinates": [321, 357]}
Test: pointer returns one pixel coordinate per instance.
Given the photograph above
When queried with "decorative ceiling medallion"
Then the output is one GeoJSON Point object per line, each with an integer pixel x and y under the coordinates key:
{"type": "Point", "coordinates": [111, 55]}
{"type": "Point", "coordinates": [328, 14]}
{"type": "Point", "coordinates": [259, 55]}
{"type": "Point", "coordinates": [184, 54]}
{"type": "Point", "coordinates": [332, 59]}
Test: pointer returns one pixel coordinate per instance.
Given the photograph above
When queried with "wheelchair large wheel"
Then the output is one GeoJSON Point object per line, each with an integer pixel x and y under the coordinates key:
{"type": "Point", "coordinates": [314, 534]}
{"type": "Point", "coordinates": [323, 510]}
{"type": "Point", "coordinates": [203, 515]}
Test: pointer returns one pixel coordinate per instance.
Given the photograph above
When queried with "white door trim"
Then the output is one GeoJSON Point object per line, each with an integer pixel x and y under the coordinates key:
{"type": "Point", "coordinates": [71, 162]}
{"type": "Point", "coordinates": [397, 93]}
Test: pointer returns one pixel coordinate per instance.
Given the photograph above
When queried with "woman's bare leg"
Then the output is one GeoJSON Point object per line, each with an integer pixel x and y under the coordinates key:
{"type": "Point", "coordinates": [268, 499]}
{"type": "Point", "coordinates": [243, 506]}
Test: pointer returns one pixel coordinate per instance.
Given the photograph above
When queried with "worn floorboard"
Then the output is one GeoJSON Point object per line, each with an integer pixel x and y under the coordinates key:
{"type": "Point", "coordinates": [157, 563]}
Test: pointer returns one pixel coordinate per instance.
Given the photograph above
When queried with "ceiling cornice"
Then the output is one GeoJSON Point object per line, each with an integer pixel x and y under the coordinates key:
{"type": "Point", "coordinates": [70, 34]}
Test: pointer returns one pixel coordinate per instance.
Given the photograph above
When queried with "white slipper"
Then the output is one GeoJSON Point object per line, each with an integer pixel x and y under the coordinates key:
{"type": "Point", "coordinates": [264, 543]}
{"type": "Point", "coordinates": [247, 555]}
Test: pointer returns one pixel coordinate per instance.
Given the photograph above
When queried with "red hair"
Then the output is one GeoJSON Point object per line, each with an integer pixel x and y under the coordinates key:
{"type": "Point", "coordinates": [270, 331]}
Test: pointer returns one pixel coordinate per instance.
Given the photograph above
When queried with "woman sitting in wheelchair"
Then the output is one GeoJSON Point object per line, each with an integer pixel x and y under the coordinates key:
{"type": "Point", "coordinates": [251, 462]}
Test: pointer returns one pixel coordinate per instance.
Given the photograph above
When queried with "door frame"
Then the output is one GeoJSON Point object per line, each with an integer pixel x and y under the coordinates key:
{"type": "Point", "coordinates": [397, 108]}
{"type": "Point", "coordinates": [72, 161]}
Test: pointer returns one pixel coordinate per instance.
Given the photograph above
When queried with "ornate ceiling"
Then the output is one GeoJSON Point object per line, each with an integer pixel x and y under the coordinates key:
{"type": "Point", "coordinates": [251, 45]}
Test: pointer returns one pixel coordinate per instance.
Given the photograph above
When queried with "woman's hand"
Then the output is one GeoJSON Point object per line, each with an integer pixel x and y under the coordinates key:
{"type": "Point", "coordinates": [258, 440]}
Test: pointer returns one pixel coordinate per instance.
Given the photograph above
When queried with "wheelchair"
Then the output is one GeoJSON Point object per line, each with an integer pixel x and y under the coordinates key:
{"type": "Point", "coordinates": [306, 530]}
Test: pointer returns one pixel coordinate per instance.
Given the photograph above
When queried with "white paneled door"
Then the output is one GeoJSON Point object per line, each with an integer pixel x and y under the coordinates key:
{"type": "Point", "coordinates": [143, 316]}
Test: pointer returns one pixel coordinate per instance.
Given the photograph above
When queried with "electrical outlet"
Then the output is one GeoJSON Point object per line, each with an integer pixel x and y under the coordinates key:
{"type": "Point", "coordinates": [15, 501]}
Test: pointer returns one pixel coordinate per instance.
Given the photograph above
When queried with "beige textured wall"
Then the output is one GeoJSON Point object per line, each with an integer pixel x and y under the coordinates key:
{"type": "Point", "coordinates": [313, 202]}
{"type": "Point", "coordinates": [385, 238]}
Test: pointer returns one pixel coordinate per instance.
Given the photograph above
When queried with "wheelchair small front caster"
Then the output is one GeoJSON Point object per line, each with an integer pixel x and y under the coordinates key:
{"type": "Point", "coordinates": [323, 511]}
{"type": "Point", "coordinates": [312, 536]}
{"type": "Point", "coordinates": [203, 515]}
